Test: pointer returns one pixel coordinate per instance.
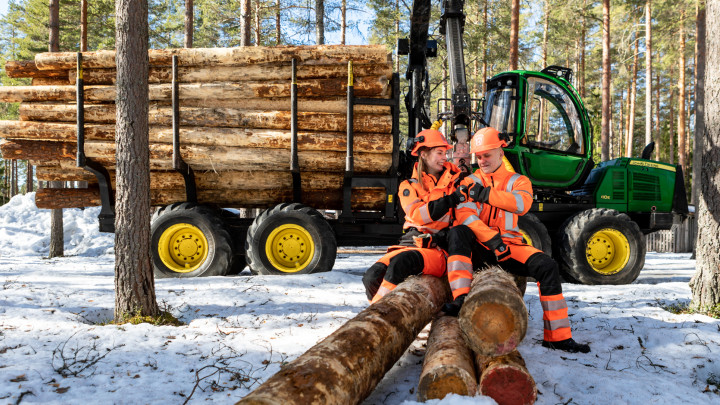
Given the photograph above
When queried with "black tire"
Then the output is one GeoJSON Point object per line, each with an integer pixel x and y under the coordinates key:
{"type": "Point", "coordinates": [611, 240]}
{"type": "Point", "coordinates": [311, 237]}
{"type": "Point", "coordinates": [203, 220]}
{"type": "Point", "coordinates": [536, 232]}
{"type": "Point", "coordinates": [238, 265]}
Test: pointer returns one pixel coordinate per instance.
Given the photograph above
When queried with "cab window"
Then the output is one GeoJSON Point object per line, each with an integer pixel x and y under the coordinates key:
{"type": "Point", "coordinates": [552, 120]}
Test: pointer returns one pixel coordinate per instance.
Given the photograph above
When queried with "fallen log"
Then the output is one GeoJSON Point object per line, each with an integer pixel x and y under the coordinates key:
{"type": "Point", "coordinates": [317, 55]}
{"type": "Point", "coordinates": [215, 117]}
{"type": "Point", "coordinates": [448, 367]}
{"type": "Point", "coordinates": [347, 365]}
{"type": "Point", "coordinates": [26, 68]}
{"type": "Point", "coordinates": [362, 198]}
{"type": "Point", "coordinates": [240, 137]}
{"type": "Point", "coordinates": [202, 74]}
{"type": "Point", "coordinates": [230, 180]}
{"type": "Point", "coordinates": [368, 86]}
{"type": "Point", "coordinates": [494, 317]}
{"type": "Point", "coordinates": [214, 158]}
{"type": "Point", "coordinates": [506, 379]}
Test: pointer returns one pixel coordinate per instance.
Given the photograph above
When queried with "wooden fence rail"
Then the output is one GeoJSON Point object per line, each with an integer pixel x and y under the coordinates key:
{"type": "Point", "coordinates": [679, 239]}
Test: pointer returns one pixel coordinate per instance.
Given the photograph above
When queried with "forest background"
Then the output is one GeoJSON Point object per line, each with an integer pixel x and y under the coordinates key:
{"type": "Point", "coordinates": [656, 103]}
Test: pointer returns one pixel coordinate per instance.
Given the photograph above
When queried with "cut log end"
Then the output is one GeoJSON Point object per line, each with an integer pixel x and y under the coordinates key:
{"type": "Point", "coordinates": [508, 385]}
{"type": "Point", "coordinates": [443, 381]}
{"type": "Point", "coordinates": [496, 323]}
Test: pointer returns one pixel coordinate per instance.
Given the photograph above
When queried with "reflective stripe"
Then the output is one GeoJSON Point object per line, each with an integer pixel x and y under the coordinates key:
{"type": "Point", "coordinates": [475, 178]}
{"type": "Point", "coordinates": [510, 235]}
{"type": "Point", "coordinates": [413, 180]}
{"type": "Point", "coordinates": [469, 220]}
{"type": "Point", "coordinates": [408, 207]}
{"type": "Point", "coordinates": [553, 305]}
{"type": "Point", "coordinates": [557, 324]}
{"type": "Point", "coordinates": [471, 205]}
{"type": "Point", "coordinates": [425, 214]}
{"type": "Point", "coordinates": [460, 283]}
{"type": "Point", "coordinates": [457, 265]}
{"type": "Point", "coordinates": [524, 191]}
{"type": "Point", "coordinates": [512, 180]}
{"type": "Point", "coordinates": [519, 203]}
{"type": "Point", "coordinates": [509, 223]}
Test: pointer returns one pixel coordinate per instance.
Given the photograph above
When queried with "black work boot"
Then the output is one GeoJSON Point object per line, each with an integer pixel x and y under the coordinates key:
{"type": "Point", "coordinates": [567, 345]}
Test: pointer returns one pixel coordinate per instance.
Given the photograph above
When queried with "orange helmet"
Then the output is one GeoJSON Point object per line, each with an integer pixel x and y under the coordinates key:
{"type": "Point", "coordinates": [485, 139]}
{"type": "Point", "coordinates": [429, 138]}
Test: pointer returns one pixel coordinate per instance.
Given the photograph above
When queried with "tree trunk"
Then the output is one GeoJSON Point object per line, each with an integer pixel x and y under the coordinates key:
{"type": "Point", "coordinates": [699, 101]}
{"type": "Point", "coordinates": [671, 127]}
{"type": "Point", "coordinates": [29, 181]}
{"type": "Point", "coordinates": [54, 23]}
{"type": "Point", "coordinates": [506, 379]}
{"type": "Point", "coordinates": [320, 22]}
{"type": "Point", "coordinates": [346, 366]}
{"type": "Point", "coordinates": [278, 31]}
{"type": "Point", "coordinates": [605, 125]}
{"type": "Point", "coordinates": [682, 138]}
{"type": "Point", "coordinates": [493, 318]}
{"type": "Point", "coordinates": [448, 367]}
{"type": "Point", "coordinates": [484, 48]}
{"type": "Point", "coordinates": [258, 27]}
{"type": "Point", "coordinates": [659, 143]}
{"type": "Point", "coordinates": [83, 26]}
{"type": "Point", "coordinates": [13, 178]}
{"type": "Point", "coordinates": [583, 33]}
{"type": "Point", "coordinates": [648, 72]}
{"type": "Point", "coordinates": [189, 27]}
{"type": "Point", "coordinates": [514, 33]}
{"type": "Point", "coordinates": [134, 283]}
{"type": "Point", "coordinates": [343, 21]}
{"type": "Point", "coordinates": [629, 143]}
{"type": "Point", "coordinates": [546, 17]}
{"type": "Point", "coordinates": [245, 23]}
{"type": "Point", "coordinates": [56, 217]}
{"type": "Point", "coordinates": [705, 284]}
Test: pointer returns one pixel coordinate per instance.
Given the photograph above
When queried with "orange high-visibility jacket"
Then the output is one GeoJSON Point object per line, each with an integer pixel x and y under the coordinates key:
{"type": "Point", "coordinates": [426, 209]}
{"type": "Point", "coordinates": [510, 195]}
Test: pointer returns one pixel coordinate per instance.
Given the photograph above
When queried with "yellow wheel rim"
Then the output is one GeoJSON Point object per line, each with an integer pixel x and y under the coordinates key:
{"type": "Point", "coordinates": [289, 248]}
{"type": "Point", "coordinates": [607, 251]}
{"type": "Point", "coordinates": [527, 237]}
{"type": "Point", "coordinates": [183, 248]}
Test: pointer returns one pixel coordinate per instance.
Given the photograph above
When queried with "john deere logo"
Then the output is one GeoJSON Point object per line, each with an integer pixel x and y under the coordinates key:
{"type": "Point", "coordinates": [605, 197]}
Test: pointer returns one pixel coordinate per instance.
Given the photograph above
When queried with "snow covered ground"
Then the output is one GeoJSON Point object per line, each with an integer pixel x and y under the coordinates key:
{"type": "Point", "coordinates": [55, 348]}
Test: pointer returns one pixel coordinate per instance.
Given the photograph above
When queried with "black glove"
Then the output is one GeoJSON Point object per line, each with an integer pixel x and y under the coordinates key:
{"type": "Point", "coordinates": [453, 308]}
{"type": "Point", "coordinates": [479, 193]}
{"type": "Point", "coordinates": [460, 195]}
{"type": "Point", "coordinates": [429, 240]}
{"type": "Point", "coordinates": [502, 252]}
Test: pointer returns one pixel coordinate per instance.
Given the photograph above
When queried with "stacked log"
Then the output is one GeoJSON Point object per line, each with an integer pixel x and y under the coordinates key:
{"type": "Point", "coordinates": [234, 123]}
{"type": "Point", "coordinates": [346, 366]}
{"type": "Point", "coordinates": [506, 379]}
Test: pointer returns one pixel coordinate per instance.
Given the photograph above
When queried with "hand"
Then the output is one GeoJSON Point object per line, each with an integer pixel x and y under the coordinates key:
{"type": "Point", "coordinates": [502, 252]}
{"type": "Point", "coordinates": [424, 241]}
{"type": "Point", "coordinates": [476, 193]}
{"type": "Point", "coordinates": [453, 308]}
{"type": "Point", "coordinates": [460, 194]}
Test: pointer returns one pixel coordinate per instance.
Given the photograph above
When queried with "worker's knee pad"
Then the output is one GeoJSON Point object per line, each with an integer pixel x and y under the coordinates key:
{"type": "Point", "coordinates": [372, 279]}
{"type": "Point", "coordinates": [460, 240]}
{"type": "Point", "coordinates": [544, 269]}
{"type": "Point", "coordinates": [404, 265]}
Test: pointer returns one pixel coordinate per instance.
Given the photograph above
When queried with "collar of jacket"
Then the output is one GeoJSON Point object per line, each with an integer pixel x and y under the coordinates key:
{"type": "Point", "coordinates": [498, 175]}
{"type": "Point", "coordinates": [449, 174]}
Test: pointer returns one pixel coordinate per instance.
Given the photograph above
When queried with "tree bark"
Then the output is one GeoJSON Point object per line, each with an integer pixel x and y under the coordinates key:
{"type": "Point", "coordinates": [54, 23]}
{"type": "Point", "coordinates": [448, 367]}
{"type": "Point", "coordinates": [343, 21]}
{"type": "Point", "coordinates": [278, 31]}
{"type": "Point", "coordinates": [493, 318]}
{"type": "Point", "coordinates": [27, 68]}
{"type": "Point", "coordinates": [605, 125]}
{"type": "Point", "coordinates": [671, 136]}
{"type": "Point", "coordinates": [514, 33]}
{"type": "Point", "coordinates": [134, 282]}
{"type": "Point", "coordinates": [506, 379]}
{"type": "Point", "coordinates": [320, 22]}
{"type": "Point", "coordinates": [546, 17]}
{"type": "Point", "coordinates": [705, 284]}
{"type": "Point", "coordinates": [648, 71]}
{"type": "Point", "coordinates": [57, 237]}
{"type": "Point", "coordinates": [258, 28]}
{"type": "Point", "coordinates": [83, 26]}
{"type": "Point", "coordinates": [189, 26]}
{"type": "Point", "coordinates": [583, 33]}
{"type": "Point", "coordinates": [13, 178]}
{"type": "Point", "coordinates": [245, 23]}
{"type": "Point", "coordinates": [659, 143]}
{"type": "Point", "coordinates": [346, 366]}
{"type": "Point", "coordinates": [29, 181]}
{"type": "Point", "coordinates": [682, 137]}
{"type": "Point", "coordinates": [485, 48]}
{"type": "Point", "coordinates": [629, 143]}
{"type": "Point", "coordinates": [699, 101]}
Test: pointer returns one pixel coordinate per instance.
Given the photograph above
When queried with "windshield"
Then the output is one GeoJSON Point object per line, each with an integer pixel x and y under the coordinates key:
{"type": "Point", "coordinates": [500, 108]}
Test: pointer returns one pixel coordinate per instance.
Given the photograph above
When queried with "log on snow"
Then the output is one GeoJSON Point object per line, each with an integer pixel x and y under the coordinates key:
{"type": "Point", "coordinates": [202, 74]}
{"type": "Point", "coordinates": [318, 55]}
{"type": "Point", "coordinates": [494, 317]}
{"type": "Point", "coordinates": [448, 367]}
{"type": "Point", "coordinates": [27, 68]}
{"type": "Point", "coordinates": [215, 117]}
{"type": "Point", "coordinates": [347, 365]}
{"type": "Point", "coordinates": [241, 137]}
{"type": "Point", "coordinates": [368, 86]}
{"type": "Point", "coordinates": [362, 199]}
{"type": "Point", "coordinates": [506, 379]}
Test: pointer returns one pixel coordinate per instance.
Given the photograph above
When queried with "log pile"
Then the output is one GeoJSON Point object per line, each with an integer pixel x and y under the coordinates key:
{"type": "Point", "coordinates": [234, 123]}
{"type": "Point", "coordinates": [475, 353]}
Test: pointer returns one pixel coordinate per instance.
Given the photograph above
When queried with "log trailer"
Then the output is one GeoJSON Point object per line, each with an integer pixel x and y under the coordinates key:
{"type": "Point", "coordinates": [591, 219]}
